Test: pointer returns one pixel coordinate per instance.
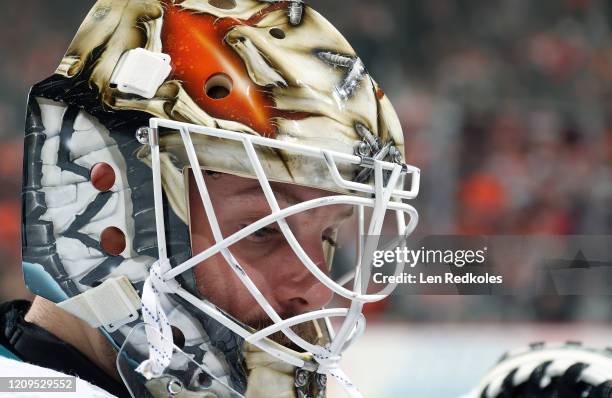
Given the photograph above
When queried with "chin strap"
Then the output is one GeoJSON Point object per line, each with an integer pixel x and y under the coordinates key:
{"type": "Point", "coordinates": [345, 382]}
{"type": "Point", "coordinates": [331, 366]}
{"type": "Point", "coordinates": [158, 330]}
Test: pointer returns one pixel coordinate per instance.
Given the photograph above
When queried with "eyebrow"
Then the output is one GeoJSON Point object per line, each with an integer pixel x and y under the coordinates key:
{"type": "Point", "coordinates": [288, 197]}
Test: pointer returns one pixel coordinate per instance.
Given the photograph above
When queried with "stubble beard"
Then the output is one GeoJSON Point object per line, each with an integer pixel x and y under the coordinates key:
{"type": "Point", "coordinates": [306, 331]}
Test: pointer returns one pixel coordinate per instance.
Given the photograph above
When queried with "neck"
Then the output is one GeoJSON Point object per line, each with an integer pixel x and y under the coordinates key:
{"type": "Point", "coordinates": [89, 341]}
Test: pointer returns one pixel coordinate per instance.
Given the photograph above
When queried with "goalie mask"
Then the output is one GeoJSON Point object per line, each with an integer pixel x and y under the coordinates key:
{"type": "Point", "coordinates": [135, 151]}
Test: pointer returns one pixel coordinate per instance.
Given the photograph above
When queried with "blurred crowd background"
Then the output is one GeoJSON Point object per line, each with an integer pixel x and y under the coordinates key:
{"type": "Point", "coordinates": [506, 107]}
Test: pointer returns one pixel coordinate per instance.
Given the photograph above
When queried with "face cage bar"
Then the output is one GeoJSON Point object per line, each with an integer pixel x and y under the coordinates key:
{"type": "Point", "coordinates": [385, 197]}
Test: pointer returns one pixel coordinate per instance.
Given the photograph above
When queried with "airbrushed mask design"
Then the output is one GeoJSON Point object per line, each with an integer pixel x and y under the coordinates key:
{"type": "Point", "coordinates": [266, 90]}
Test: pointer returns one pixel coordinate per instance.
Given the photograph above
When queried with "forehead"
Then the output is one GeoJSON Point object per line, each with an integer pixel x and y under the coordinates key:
{"type": "Point", "coordinates": [235, 189]}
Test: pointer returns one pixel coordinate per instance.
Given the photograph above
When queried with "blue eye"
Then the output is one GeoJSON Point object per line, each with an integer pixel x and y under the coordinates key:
{"type": "Point", "coordinates": [264, 232]}
{"type": "Point", "coordinates": [262, 235]}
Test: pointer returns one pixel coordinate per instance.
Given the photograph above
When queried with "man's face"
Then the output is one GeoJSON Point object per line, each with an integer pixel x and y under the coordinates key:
{"type": "Point", "coordinates": [265, 255]}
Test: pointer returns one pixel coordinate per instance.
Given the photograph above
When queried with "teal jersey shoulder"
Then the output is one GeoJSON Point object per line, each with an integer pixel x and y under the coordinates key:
{"type": "Point", "coordinates": [4, 352]}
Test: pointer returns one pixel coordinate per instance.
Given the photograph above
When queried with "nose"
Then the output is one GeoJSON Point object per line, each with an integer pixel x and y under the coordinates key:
{"type": "Point", "coordinates": [299, 291]}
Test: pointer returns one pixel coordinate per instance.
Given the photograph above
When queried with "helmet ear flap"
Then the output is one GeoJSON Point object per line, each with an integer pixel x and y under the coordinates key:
{"type": "Point", "coordinates": [76, 178]}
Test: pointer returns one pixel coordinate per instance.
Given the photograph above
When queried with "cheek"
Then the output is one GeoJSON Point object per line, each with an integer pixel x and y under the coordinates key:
{"type": "Point", "coordinates": [221, 286]}
{"type": "Point", "coordinates": [217, 283]}
{"type": "Point", "coordinates": [274, 272]}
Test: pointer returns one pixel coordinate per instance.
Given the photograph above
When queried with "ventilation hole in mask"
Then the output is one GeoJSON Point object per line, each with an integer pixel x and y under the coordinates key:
{"type": "Point", "coordinates": [277, 33]}
{"type": "Point", "coordinates": [204, 380]}
{"type": "Point", "coordinates": [218, 86]}
{"type": "Point", "coordinates": [223, 4]}
{"type": "Point", "coordinates": [112, 241]}
{"type": "Point", "coordinates": [178, 337]}
{"type": "Point", "coordinates": [102, 176]}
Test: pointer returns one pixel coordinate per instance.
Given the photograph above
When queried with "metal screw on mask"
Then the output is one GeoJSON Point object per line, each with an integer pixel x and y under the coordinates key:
{"type": "Point", "coordinates": [301, 383]}
{"type": "Point", "coordinates": [321, 385]}
{"type": "Point", "coordinates": [301, 377]}
{"type": "Point", "coordinates": [363, 149]}
{"type": "Point", "coordinates": [310, 385]}
{"type": "Point", "coordinates": [395, 154]}
{"type": "Point", "coordinates": [174, 387]}
{"type": "Point", "coordinates": [142, 135]}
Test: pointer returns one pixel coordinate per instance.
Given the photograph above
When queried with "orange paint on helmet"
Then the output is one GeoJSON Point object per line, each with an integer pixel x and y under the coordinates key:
{"type": "Point", "coordinates": [195, 41]}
